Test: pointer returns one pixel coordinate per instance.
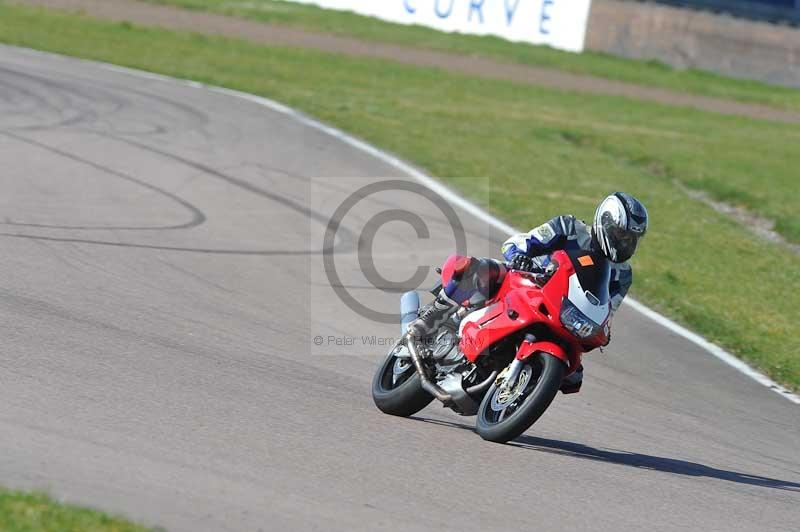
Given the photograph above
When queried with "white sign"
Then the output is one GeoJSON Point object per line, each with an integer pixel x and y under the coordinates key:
{"type": "Point", "coordinates": [557, 23]}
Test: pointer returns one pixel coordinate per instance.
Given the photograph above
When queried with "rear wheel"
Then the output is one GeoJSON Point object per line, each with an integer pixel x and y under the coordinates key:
{"type": "Point", "coordinates": [396, 387]}
{"type": "Point", "coordinates": [508, 411]}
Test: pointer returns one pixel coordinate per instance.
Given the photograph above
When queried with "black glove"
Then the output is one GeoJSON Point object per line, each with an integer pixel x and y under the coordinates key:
{"type": "Point", "coordinates": [522, 263]}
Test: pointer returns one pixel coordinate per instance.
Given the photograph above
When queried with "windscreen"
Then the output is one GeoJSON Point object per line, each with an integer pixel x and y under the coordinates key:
{"type": "Point", "coordinates": [594, 274]}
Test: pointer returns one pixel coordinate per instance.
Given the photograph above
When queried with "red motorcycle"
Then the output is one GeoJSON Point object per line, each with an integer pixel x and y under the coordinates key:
{"type": "Point", "coordinates": [505, 362]}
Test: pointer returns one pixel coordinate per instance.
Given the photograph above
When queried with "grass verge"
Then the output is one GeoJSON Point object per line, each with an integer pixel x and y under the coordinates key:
{"type": "Point", "coordinates": [652, 73]}
{"type": "Point", "coordinates": [36, 512]}
{"type": "Point", "coordinates": [544, 151]}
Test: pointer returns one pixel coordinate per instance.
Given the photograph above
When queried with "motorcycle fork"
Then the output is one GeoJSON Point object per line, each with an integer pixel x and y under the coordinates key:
{"type": "Point", "coordinates": [509, 375]}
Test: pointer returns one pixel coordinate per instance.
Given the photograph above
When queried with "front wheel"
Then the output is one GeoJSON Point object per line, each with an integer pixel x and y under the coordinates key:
{"type": "Point", "coordinates": [397, 388]}
{"type": "Point", "coordinates": [508, 411]}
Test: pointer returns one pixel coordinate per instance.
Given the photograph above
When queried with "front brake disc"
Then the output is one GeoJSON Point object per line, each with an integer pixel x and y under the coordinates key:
{"type": "Point", "coordinates": [504, 396]}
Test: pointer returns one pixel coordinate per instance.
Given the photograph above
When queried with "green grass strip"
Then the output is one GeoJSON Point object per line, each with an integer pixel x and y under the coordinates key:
{"type": "Point", "coordinates": [651, 73]}
{"type": "Point", "coordinates": [36, 512]}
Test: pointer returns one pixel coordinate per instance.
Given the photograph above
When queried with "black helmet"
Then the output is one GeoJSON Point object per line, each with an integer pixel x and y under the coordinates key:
{"type": "Point", "coordinates": [619, 223]}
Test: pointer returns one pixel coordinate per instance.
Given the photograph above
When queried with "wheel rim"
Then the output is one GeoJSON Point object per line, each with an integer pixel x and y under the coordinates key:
{"type": "Point", "coordinates": [397, 370]}
{"type": "Point", "coordinates": [400, 371]}
{"type": "Point", "coordinates": [507, 399]}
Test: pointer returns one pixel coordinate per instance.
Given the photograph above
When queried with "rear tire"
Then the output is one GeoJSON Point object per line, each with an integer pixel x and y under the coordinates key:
{"type": "Point", "coordinates": [403, 399]}
{"type": "Point", "coordinates": [535, 399]}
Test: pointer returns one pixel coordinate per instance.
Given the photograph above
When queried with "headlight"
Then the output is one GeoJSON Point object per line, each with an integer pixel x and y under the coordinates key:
{"type": "Point", "coordinates": [576, 322]}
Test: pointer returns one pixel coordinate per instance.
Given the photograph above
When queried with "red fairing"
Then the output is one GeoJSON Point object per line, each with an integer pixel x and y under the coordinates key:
{"type": "Point", "coordinates": [519, 304]}
{"type": "Point", "coordinates": [455, 264]}
{"type": "Point", "coordinates": [484, 327]}
{"type": "Point", "coordinates": [571, 358]}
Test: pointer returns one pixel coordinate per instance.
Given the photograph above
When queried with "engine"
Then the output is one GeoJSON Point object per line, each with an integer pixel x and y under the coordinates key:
{"type": "Point", "coordinates": [444, 348]}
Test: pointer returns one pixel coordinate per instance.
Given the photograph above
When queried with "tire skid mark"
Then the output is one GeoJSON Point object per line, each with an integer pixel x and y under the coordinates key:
{"type": "Point", "coordinates": [64, 93]}
{"type": "Point", "coordinates": [67, 95]}
{"type": "Point", "coordinates": [198, 217]}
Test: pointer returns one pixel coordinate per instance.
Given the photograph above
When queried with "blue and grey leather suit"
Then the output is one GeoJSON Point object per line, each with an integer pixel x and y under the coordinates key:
{"type": "Point", "coordinates": [481, 279]}
{"type": "Point", "coordinates": [567, 233]}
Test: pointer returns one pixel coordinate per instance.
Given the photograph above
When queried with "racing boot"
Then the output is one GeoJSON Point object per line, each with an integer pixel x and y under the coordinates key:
{"type": "Point", "coordinates": [432, 317]}
{"type": "Point", "coordinates": [572, 383]}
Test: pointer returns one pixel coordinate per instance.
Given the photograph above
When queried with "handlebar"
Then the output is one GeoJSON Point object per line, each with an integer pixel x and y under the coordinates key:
{"type": "Point", "coordinates": [535, 270]}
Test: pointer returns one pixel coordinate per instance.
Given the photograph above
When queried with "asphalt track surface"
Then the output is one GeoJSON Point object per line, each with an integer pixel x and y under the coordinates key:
{"type": "Point", "coordinates": [161, 287]}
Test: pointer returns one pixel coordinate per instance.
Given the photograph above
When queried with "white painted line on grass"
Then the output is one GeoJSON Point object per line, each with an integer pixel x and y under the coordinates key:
{"type": "Point", "coordinates": [443, 191]}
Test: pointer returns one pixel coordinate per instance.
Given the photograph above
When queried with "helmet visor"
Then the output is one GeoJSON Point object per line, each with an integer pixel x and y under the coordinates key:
{"type": "Point", "coordinates": [623, 241]}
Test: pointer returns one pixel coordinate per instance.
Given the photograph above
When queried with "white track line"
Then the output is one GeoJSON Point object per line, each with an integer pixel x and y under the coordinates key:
{"type": "Point", "coordinates": [443, 191]}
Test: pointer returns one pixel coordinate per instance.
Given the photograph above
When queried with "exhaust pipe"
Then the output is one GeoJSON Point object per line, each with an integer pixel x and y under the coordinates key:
{"type": "Point", "coordinates": [409, 310]}
{"type": "Point", "coordinates": [430, 387]}
{"type": "Point", "coordinates": [482, 386]}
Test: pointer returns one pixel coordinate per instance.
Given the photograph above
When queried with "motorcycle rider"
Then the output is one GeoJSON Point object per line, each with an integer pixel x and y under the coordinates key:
{"type": "Point", "coordinates": [620, 221]}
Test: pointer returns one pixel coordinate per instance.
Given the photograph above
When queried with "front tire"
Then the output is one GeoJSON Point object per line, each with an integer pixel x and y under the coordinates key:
{"type": "Point", "coordinates": [544, 375]}
{"type": "Point", "coordinates": [398, 395]}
